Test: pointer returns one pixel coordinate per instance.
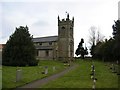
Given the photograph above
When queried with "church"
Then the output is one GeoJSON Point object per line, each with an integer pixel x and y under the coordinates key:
{"type": "Point", "coordinates": [59, 47]}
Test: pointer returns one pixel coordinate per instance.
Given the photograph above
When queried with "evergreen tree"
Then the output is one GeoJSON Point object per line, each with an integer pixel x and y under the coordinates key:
{"type": "Point", "coordinates": [116, 36]}
{"type": "Point", "coordinates": [86, 51]}
{"type": "Point", "coordinates": [80, 50]}
{"type": "Point", "coordinates": [92, 50]}
{"type": "Point", "coordinates": [19, 49]}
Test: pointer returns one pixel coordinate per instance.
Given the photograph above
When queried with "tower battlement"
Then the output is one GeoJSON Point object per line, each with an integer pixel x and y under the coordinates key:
{"type": "Point", "coordinates": [66, 20]}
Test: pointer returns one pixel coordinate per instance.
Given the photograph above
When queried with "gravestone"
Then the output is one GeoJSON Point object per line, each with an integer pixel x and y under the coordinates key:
{"type": "Point", "coordinates": [54, 68]}
{"type": "Point", "coordinates": [93, 71]}
{"type": "Point", "coordinates": [114, 68]}
{"type": "Point", "coordinates": [46, 70]}
{"type": "Point", "coordinates": [93, 87]}
{"type": "Point", "coordinates": [18, 75]}
{"type": "Point", "coordinates": [93, 76]}
{"type": "Point", "coordinates": [118, 68]}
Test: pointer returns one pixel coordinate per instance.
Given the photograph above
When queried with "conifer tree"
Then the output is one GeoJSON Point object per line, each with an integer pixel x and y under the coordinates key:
{"type": "Point", "coordinates": [19, 49]}
{"type": "Point", "coordinates": [116, 36]}
{"type": "Point", "coordinates": [80, 50]}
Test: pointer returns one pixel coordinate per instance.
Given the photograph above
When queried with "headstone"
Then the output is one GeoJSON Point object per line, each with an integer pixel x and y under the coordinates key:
{"type": "Point", "coordinates": [94, 81]}
{"type": "Point", "coordinates": [46, 70]}
{"type": "Point", "coordinates": [93, 68]}
{"type": "Point", "coordinates": [113, 68]}
{"type": "Point", "coordinates": [18, 75]}
{"type": "Point", "coordinates": [54, 68]}
{"type": "Point", "coordinates": [118, 71]}
{"type": "Point", "coordinates": [93, 76]}
{"type": "Point", "coordinates": [93, 87]}
{"type": "Point", "coordinates": [117, 62]}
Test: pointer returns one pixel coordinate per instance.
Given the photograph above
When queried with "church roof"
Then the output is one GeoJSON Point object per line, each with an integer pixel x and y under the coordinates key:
{"type": "Point", "coordinates": [45, 39]}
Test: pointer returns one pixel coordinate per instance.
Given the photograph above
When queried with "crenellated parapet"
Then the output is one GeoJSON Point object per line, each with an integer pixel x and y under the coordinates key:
{"type": "Point", "coordinates": [66, 21]}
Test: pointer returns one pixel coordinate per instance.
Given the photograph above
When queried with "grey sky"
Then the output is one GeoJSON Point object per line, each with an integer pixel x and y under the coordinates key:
{"type": "Point", "coordinates": [41, 16]}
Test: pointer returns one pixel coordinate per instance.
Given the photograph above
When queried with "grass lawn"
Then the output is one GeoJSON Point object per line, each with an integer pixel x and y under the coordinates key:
{"type": "Point", "coordinates": [80, 77]}
{"type": "Point", "coordinates": [29, 73]}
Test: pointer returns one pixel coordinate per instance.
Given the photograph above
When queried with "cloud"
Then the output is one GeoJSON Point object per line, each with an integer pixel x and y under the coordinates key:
{"type": "Point", "coordinates": [41, 23]}
{"type": "Point", "coordinates": [41, 16]}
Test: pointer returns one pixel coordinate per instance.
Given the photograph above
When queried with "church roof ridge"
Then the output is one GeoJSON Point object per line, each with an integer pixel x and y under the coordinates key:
{"type": "Point", "coordinates": [45, 39]}
{"type": "Point", "coordinates": [46, 36]}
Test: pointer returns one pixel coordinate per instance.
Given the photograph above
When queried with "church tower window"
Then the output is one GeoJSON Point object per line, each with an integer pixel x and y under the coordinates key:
{"type": "Point", "coordinates": [40, 43]}
{"type": "Point", "coordinates": [47, 53]}
{"type": "Point", "coordinates": [63, 28]}
{"type": "Point", "coordinates": [50, 43]}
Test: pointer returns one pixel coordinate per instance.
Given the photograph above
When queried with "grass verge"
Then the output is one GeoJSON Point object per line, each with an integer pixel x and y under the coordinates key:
{"type": "Point", "coordinates": [29, 73]}
{"type": "Point", "coordinates": [80, 77]}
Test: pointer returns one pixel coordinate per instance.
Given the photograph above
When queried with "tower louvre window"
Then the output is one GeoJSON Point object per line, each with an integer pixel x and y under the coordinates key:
{"type": "Point", "coordinates": [70, 27]}
{"type": "Point", "coordinates": [50, 43]}
{"type": "Point", "coordinates": [40, 43]}
{"type": "Point", "coordinates": [63, 27]}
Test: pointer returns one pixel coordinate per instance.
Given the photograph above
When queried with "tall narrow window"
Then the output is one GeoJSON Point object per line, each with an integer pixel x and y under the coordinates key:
{"type": "Point", "coordinates": [37, 52]}
{"type": "Point", "coordinates": [71, 32]}
{"type": "Point", "coordinates": [47, 53]}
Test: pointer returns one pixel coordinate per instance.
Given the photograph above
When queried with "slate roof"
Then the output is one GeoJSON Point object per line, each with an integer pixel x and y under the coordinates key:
{"type": "Point", "coordinates": [45, 39]}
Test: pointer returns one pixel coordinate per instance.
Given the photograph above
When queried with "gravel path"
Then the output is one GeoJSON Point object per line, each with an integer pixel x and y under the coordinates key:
{"type": "Point", "coordinates": [38, 83]}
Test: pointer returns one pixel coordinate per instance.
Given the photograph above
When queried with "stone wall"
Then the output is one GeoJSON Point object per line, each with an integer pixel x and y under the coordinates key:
{"type": "Point", "coordinates": [47, 54]}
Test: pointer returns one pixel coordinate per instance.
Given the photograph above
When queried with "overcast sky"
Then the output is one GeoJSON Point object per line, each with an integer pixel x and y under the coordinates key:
{"type": "Point", "coordinates": [41, 17]}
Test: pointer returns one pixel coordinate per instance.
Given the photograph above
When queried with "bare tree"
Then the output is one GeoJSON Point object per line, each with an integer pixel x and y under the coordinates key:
{"type": "Point", "coordinates": [95, 35]}
{"type": "Point", "coordinates": [99, 37]}
{"type": "Point", "coordinates": [92, 37]}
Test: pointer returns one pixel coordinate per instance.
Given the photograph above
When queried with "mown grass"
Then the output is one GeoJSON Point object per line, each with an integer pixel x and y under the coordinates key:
{"type": "Point", "coordinates": [80, 77]}
{"type": "Point", "coordinates": [29, 73]}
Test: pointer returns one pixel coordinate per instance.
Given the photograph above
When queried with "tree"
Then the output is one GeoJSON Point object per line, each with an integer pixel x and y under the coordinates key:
{"type": "Point", "coordinates": [107, 48]}
{"type": "Point", "coordinates": [19, 49]}
{"type": "Point", "coordinates": [80, 50]}
{"type": "Point", "coordinates": [86, 51]}
{"type": "Point", "coordinates": [94, 38]}
{"type": "Point", "coordinates": [99, 37]}
{"type": "Point", "coordinates": [116, 36]}
{"type": "Point", "coordinates": [92, 49]}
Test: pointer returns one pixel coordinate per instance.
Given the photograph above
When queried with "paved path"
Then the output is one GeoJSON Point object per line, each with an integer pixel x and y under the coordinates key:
{"type": "Point", "coordinates": [38, 83]}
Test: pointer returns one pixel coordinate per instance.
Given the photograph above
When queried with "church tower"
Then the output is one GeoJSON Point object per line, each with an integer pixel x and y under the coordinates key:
{"type": "Point", "coordinates": [65, 39]}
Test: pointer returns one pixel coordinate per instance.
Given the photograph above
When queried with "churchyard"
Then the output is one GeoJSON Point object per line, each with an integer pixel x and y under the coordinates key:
{"type": "Point", "coordinates": [80, 77]}
{"type": "Point", "coordinates": [17, 76]}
